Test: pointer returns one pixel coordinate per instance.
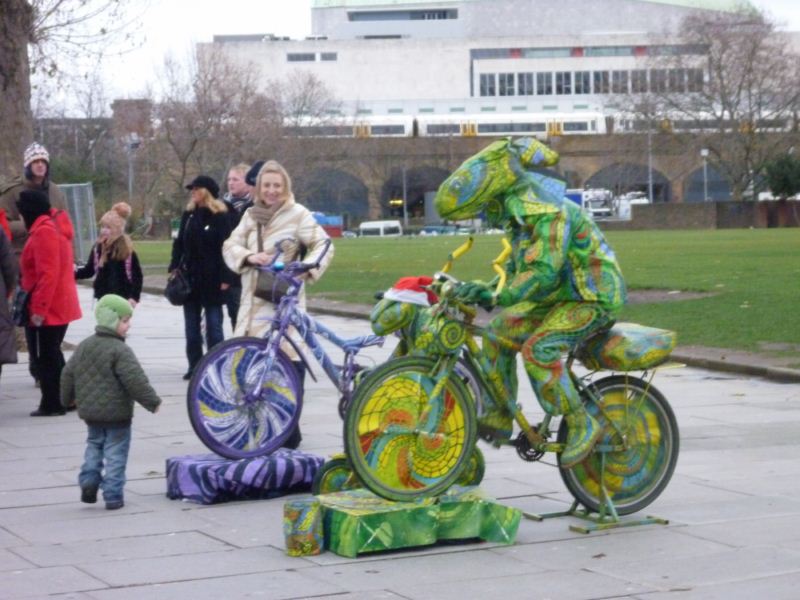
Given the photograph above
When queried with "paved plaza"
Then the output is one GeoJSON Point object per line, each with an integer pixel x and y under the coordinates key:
{"type": "Point", "coordinates": [733, 505]}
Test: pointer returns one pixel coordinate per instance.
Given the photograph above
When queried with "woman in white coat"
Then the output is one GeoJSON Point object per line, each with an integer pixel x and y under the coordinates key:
{"type": "Point", "coordinates": [274, 216]}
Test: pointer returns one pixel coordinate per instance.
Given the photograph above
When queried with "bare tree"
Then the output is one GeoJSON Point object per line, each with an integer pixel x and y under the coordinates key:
{"type": "Point", "coordinates": [731, 88]}
{"type": "Point", "coordinates": [306, 100]}
{"type": "Point", "coordinates": [34, 35]}
{"type": "Point", "coordinates": [211, 116]}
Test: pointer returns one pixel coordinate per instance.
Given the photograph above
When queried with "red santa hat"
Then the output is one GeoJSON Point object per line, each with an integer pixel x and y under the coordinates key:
{"type": "Point", "coordinates": [412, 290]}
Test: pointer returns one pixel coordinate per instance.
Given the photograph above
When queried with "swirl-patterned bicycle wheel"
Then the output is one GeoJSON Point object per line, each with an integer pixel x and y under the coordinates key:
{"type": "Point", "coordinates": [639, 447]}
{"type": "Point", "coordinates": [228, 414]}
{"type": "Point", "coordinates": [404, 439]}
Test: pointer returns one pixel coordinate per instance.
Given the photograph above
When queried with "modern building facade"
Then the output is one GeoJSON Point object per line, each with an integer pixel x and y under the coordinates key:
{"type": "Point", "coordinates": [416, 57]}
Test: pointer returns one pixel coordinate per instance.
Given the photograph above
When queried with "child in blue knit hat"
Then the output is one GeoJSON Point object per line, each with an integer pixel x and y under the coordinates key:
{"type": "Point", "coordinates": [104, 378]}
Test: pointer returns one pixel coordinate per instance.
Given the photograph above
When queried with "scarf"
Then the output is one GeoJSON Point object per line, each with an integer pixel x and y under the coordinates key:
{"type": "Point", "coordinates": [262, 214]}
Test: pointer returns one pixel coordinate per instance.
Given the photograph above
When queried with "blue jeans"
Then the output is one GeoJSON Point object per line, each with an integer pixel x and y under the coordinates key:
{"type": "Point", "coordinates": [110, 444]}
{"type": "Point", "coordinates": [192, 312]}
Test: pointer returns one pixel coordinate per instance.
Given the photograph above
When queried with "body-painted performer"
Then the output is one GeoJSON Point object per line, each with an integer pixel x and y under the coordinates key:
{"type": "Point", "coordinates": [564, 283]}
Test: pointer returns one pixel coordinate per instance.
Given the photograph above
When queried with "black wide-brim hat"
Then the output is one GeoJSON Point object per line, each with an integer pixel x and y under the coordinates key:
{"type": "Point", "coordinates": [252, 174]}
{"type": "Point", "coordinates": [206, 182]}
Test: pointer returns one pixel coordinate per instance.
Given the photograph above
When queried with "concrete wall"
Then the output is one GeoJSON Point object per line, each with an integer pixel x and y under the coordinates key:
{"type": "Point", "coordinates": [710, 215]}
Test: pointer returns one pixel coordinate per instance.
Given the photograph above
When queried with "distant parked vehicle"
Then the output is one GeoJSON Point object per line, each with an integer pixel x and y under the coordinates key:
{"type": "Point", "coordinates": [597, 202]}
{"type": "Point", "coordinates": [349, 234]}
{"type": "Point", "coordinates": [380, 229]}
{"type": "Point", "coordinates": [438, 230]}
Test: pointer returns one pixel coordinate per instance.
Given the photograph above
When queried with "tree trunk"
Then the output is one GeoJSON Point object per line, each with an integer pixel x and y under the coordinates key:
{"type": "Point", "coordinates": [16, 21]}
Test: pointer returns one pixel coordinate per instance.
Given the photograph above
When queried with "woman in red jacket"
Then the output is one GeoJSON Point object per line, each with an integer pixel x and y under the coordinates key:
{"type": "Point", "coordinates": [46, 267]}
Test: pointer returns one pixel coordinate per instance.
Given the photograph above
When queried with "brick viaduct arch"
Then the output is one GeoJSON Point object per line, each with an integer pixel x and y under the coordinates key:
{"type": "Point", "coordinates": [361, 175]}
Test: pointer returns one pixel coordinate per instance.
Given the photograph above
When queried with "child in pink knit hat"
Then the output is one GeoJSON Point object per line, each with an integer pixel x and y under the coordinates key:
{"type": "Point", "coordinates": [113, 262]}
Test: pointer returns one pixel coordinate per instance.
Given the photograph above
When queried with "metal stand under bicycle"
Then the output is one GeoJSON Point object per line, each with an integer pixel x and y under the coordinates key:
{"type": "Point", "coordinates": [605, 518]}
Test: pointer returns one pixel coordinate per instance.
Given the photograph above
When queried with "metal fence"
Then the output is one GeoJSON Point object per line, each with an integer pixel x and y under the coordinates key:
{"type": "Point", "coordinates": [80, 206]}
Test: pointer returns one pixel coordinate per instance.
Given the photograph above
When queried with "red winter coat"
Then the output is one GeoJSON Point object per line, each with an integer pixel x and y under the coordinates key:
{"type": "Point", "coordinates": [46, 266]}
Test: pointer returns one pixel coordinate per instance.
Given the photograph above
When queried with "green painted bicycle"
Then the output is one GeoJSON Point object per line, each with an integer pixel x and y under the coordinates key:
{"type": "Point", "coordinates": [412, 426]}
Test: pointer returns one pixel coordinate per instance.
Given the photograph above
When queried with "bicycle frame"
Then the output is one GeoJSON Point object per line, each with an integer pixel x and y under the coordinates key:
{"type": "Point", "coordinates": [490, 382]}
{"type": "Point", "coordinates": [287, 314]}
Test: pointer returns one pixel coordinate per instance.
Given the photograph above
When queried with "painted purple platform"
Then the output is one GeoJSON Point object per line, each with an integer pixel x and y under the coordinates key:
{"type": "Point", "coordinates": [209, 479]}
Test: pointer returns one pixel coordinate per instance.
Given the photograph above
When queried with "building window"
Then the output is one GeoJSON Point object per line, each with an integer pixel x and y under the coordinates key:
{"type": "Point", "coordinates": [677, 80]}
{"type": "Point", "coordinates": [506, 84]}
{"type": "Point", "coordinates": [328, 56]}
{"type": "Point", "coordinates": [695, 80]}
{"type": "Point", "coordinates": [601, 82]}
{"type": "Point", "coordinates": [609, 51]}
{"type": "Point", "coordinates": [546, 52]}
{"type": "Point", "coordinates": [639, 81]}
{"type": "Point", "coordinates": [525, 84]}
{"type": "Point", "coordinates": [402, 15]}
{"type": "Point", "coordinates": [619, 82]}
{"type": "Point", "coordinates": [563, 83]}
{"type": "Point", "coordinates": [658, 81]}
{"type": "Point", "coordinates": [488, 84]}
{"type": "Point", "coordinates": [432, 15]}
{"type": "Point", "coordinates": [576, 126]}
{"type": "Point", "coordinates": [544, 84]}
{"type": "Point", "coordinates": [583, 82]}
{"type": "Point", "coordinates": [301, 57]}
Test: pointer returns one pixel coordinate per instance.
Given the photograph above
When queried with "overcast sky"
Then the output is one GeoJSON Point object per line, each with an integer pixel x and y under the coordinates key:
{"type": "Point", "coordinates": [174, 26]}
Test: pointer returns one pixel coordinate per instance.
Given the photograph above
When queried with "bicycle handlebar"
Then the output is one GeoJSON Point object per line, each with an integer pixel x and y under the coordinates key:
{"type": "Point", "coordinates": [497, 265]}
{"type": "Point", "coordinates": [295, 267]}
{"type": "Point", "coordinates": [457, 253]}
{"type": "Point", "coordinates": [444, 277]}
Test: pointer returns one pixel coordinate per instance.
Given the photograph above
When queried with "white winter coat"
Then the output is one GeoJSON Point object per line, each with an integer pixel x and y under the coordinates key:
{"type": "Point", "coordinates": [292, 220]}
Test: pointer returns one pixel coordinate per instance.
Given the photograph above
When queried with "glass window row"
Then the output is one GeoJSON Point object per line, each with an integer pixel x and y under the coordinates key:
{"type": "Point", "coordinates": [566, 83]}
{"type": "Point", "coordinates": [310, 56]}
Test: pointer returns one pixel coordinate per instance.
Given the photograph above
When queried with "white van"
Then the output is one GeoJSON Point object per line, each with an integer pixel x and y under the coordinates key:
{"type": "Point", "coordinates": [380, 228]}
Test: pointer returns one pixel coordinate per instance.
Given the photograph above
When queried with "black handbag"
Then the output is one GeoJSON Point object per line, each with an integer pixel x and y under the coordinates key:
{"type": "Point", "coordinates": [19, 307]}
{"type": "Point", "coordinates": [178, 287]}
{"type": "Point", "coordinates": [269, 286]}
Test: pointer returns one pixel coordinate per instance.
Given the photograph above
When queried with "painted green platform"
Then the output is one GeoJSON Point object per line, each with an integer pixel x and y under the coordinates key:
{"type": "Point", "coordinates": [357, 522]}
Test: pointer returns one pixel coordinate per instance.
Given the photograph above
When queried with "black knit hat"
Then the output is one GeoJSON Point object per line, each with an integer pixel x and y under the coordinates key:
{"type": "Point", "coordinates": [32, 204]}
{"type": "Point", "coordinates": [204, 181]}
{"type": "Point", "coordinates": [252, 174]}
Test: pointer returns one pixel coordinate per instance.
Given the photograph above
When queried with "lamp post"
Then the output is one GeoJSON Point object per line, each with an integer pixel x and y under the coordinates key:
{"type": "Point", "coordinates": [704, 154]}
{"type": "Point", "coordinates": [405, 201]}
{"type": "Point", "coordinates": [649, 161]}
{"type": "Point", "coordinates": [132, 143]}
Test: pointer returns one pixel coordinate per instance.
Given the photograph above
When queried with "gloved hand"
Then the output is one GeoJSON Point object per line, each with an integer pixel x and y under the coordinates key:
{"type": "Point", "coordinates": [476, 292]}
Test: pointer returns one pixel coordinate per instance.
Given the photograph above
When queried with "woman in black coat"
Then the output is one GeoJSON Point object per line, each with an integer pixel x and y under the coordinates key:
{"type": "Point", "coordinates": [205, 224]}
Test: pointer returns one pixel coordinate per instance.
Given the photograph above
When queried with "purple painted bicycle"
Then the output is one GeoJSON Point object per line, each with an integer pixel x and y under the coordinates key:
{"type": "Point", "coordinates": [245, 396]}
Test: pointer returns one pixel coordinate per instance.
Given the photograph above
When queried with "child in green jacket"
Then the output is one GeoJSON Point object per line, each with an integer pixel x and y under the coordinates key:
{"type": "Point", "coordinates": [104, 378]}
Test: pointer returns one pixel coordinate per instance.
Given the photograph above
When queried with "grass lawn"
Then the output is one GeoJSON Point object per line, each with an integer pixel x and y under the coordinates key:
{"type": "Point", "coordinates": [752, 274]}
